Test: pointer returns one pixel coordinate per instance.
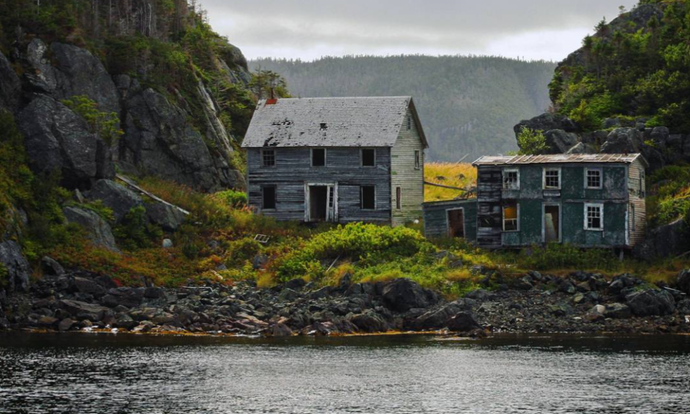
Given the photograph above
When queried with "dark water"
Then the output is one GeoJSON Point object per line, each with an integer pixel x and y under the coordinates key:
{"type": "Point", "coordinates": [132, 374]}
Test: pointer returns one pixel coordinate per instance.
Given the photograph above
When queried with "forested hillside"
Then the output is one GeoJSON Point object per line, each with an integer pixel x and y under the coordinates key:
{"type": "Point", "coordinates": [468, 105]}
{"type": "Point", "coordinates": [636, 66]}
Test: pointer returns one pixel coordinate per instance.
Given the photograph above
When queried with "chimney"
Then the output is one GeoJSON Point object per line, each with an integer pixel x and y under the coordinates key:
{"type": "Point", "coordinates": [272, 100]}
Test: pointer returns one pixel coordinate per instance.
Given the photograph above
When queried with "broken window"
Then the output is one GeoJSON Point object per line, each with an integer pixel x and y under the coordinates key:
{"type": "Point", "coordinates": [269, 197]}
{"type": "Point", "coordinates": [268, 158]}
{"type": "Point", "coordinates": [417, 160]}
{"type": "Point", "coordinates": [552, 178]}
{"type": "Point", "coordinates": [368, 157]}
{"type": "Point", "coordinates": [511, 180]}
{"type": "Point", "coordinates": [368, 197]}
{"type": "Point", "coordinates": [510, 216]}
{"type": "Point", "coordinates": [594, 217]}
{"type": "Point", "coordinates": [593, 177]}
{"type": "Point", "coordinates": [398, 198]}
{"type": "Point", "coordinates": [318, 157]}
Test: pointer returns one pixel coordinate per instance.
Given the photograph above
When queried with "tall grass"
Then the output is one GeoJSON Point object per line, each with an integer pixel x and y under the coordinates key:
{"type": "Point", "coordinates": [453, 175]}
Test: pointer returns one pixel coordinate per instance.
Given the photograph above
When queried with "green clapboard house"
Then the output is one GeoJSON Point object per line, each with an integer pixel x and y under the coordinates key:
{"type": "Point", "coordinates": [588, 200]}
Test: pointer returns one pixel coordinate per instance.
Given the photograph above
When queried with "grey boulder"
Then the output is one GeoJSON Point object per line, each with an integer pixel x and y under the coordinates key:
{"type": "Point", "coordinates": [97, 229]}
{"type": "Point", "coordinates": [167, 217]}
{"type": "Point", "coordinates": [651, 302]}
{"type": "Point", "coordinates": [402, 295]}
{"type": "Point", "coordinates": [10, 85]}
{"type": "Point", "coordinates": [116, 197]}
{"type": "Point", "coordinates": [16, 267]}
{"type": "Point", "coordinates": [58, 139]}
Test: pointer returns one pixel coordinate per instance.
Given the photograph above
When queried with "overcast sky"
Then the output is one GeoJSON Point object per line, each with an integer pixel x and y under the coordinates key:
{"type": "Point", "coordinates": [309, 29]}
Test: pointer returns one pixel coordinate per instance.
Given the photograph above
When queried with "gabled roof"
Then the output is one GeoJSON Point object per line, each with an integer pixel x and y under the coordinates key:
{"type": "Point", "coordinates": [330, 122]}
{"type": "Point", "coordinates": [559, 159]}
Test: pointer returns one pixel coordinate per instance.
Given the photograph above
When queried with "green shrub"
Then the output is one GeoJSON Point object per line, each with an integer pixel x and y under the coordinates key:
{"type": "Point", "coordinates": [135, 232]}
{"type": "Point", "coordinates": [531, 142]}
{"type": "Point", "coordinates": [567, 256]}
{"type": "Point", "coordinates": [355, 241]}
{"type": "Point", "coordinates": [97, 206]}
{"type": "Point", "coordinates": [234, 198]}
{"type": "Point", "coordinates": [102, 123]}
{"type": "Point", "coordinates": [4, 276]}
{"type": "Point", "coordinates": [242, 250]}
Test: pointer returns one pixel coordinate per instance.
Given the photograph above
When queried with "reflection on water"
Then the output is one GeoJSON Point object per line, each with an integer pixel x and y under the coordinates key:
{"type": "Point", "coordinates": [390, 374]}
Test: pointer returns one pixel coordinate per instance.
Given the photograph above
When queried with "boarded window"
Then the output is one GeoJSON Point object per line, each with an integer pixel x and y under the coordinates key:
{"type": "Point", "coordinates": [417, 159]}
{"type": "Point", "coordinates": [552, 178]}
{"type": "Point", "coordinates": [398, 198]}
{"type": "Point", "coordinates": [511, 180]}
{"type": "Point", "coordinates": [368, 157]}
{"type": "Point", "coordinates": [269, 197]}
{"type": "Point", "coordinates": [510, 216]}
{"type": "Point", "coordinates": [268, 158]}
{"type": "Point", "coordinates": [368, 197]}
{"type": "Point", "coordinates": [593, 177]}
{"type": "Point", "coordinates": [318, 157]}
{"type": "Point", "coordinates": [594, 217]}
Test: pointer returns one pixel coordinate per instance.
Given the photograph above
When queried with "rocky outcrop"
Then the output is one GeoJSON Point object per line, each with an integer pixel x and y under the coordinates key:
{"type": "Point", "coordinates": [16, 268]}
{"type": "Point", "coordinates": [97, 229]}
{"type": "Point", "coordinates": [669, 240]}
{"type": "Point", "coordinates": [116, 197]}
{"type": "Point", "coordinates": [159, 140]}
{"type": "Point", "coordinates": [57, 139]}
{"type": "Point", "coordinates": [165, 216]}
{"type": "Point", "coordinates": [10, 86]}
{"type": "Point", "coordinates": [683, 281]}
{"type": "Point", "coordinates": [402, 295]}
{"type": "Point", "coordinates": [651, 302]}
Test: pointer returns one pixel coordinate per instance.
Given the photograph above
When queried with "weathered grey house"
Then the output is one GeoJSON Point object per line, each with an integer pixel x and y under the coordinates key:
{"type": "Point", "coordinates": [595, 200]}
{"type": "Point", "coordinates": [588, 200]}
{"type": "Point", "coordinates": [336, 159]}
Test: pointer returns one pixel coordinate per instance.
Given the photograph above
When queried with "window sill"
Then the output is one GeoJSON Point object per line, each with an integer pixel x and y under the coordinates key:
{"type": "Point", "coordinates": [593, 188]}
{"type": "Point", "coordinates": [597, 230]}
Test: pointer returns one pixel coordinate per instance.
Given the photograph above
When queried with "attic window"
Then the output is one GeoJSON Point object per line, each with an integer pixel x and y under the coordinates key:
{"type": "Point", "coordinates": [368, 157]}
{"type": "Point", "coordinates": [368, 197]}
{"type": "Point", "coordinates": [409, 123]}
{"type": "Point", "coordinates": [318, 157]}
{"type": "Point", "coordinates": [324, 126]}
{"type": "Point", "coordinates": [268, 158]}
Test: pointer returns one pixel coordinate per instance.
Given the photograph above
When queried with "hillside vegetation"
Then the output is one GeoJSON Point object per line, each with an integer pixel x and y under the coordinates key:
{"type": "Point", "coordinates": [459, 175]}
{"type": "Point", "coordinates": [636, 66]}
{"type": "Point", "coordinates": [468, 105]}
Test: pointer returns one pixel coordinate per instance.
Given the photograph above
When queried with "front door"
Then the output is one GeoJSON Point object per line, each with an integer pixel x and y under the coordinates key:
{"type": "Point", "coordinates": [321, 202]}
{"type": "Point", "coordinates": [552, 223]}
{"type": "Point", "coordinates": [456, 223]}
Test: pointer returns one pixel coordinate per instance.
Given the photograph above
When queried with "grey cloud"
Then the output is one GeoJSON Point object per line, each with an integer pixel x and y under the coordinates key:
{"type": "Point", "coordinates": [371, 26]}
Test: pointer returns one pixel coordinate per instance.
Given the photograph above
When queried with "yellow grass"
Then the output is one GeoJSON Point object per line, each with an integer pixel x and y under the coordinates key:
{"type": "Point", "coordinates": [450, 174]}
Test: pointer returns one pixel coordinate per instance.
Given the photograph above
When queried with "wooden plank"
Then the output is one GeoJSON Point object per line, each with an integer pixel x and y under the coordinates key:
{"type": "Point", "coordinates": [131, 183]}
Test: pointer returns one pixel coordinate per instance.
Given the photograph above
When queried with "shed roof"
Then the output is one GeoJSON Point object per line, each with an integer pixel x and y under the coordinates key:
{"type": "Point", "coordinates": [559, 159]}
{"type": "Point", "coordinates": [330, 122]}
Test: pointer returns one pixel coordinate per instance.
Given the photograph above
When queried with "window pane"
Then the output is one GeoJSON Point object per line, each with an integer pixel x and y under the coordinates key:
{"type": "Point", "coordinates": [552, 178]}
{"type": "Point", "coordinates": [398, 198]}
{"type": "Point", "coordinates": [510, 180]}
{"type": "Point", "coordinates": [269, 158]}
{"type": "Point", "coordinates": [269, 197]}
{"type": "Point", "coordinates": [368, 197]}
{"type": "Point", "coordinates": [510, 217]}
{"type": "Point", "coordinates": [368, 158]}
{"type": "Point", "coordinates": [593, 178]}
{"type": "Point", "coordinates": [594, 217]}
{"type": "Point", "coordinates": [318, 157]}
{"type": "Point", "coordinates": [417, 159]}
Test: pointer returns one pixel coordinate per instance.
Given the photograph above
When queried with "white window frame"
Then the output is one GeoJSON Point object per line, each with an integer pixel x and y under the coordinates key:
{"type": "Point", "coordinates": [560, 178]}
{"type": "Point", "coordinates": [517, 220]}
{"type": "Point", "coordinates": [361, 157]}
{"type": "Point", "coordinates": [263, 161]}
{"type": "Point", "coordinates": [600, 206]}
{"type": "Point", "coordinates": [361, 198]}
{"type": "Point", "coordinates": [325, 157]}
{"type": "Point", "coordinates": [601, 178]}
{"type": "Point", "coordinates": [417, 159]}
{"type": "Point", "coordinates": [517, 183]}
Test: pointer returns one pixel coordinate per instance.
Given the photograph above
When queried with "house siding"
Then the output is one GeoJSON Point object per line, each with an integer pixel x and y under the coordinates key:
{"type": "Point", "coordinates": [572, 197]}
{"type": "Point", "coordinates": [436, 218]}
{"type": "Point", "coordinates": [293, 171]}
{"type": "Point", "coordinates": [404, 174]}
{"type": "Point", "coordinates": [637, 221]}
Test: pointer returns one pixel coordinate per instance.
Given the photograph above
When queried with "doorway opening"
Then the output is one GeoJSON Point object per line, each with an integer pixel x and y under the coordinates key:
{"type": "Point", "coordinates": [322, 203]}
{"type": "Point", "coordinates": [552, 223]}
{"type": "Point", "coordinates": [456, 223]}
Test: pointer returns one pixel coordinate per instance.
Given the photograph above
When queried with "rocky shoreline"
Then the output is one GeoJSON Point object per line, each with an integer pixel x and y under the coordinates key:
{"type": "Point", "coordinates": [537, 303]}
